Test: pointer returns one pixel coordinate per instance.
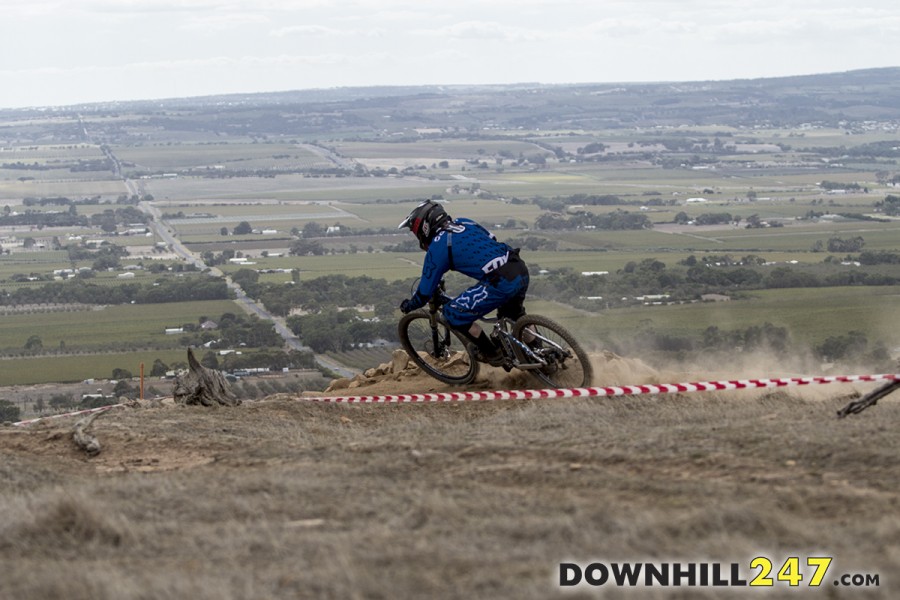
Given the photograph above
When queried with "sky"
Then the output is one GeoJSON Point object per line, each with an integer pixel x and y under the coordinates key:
{"type": "Point", "coordinates": [63, 52]}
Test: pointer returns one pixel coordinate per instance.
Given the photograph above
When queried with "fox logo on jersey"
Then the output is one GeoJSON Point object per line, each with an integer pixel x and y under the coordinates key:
{"type": "Point", "coordinates": [496, 263]}
{"type": "Point", "coordinates": [472, 297]}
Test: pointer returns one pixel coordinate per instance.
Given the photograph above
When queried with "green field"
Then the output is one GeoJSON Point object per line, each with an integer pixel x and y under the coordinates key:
{"type": "Point", "coordinates": [73, 368]}
{"type": "Point", "coordinates": [143, 324]}
{"type": "Point", "coordinates": [810, 315]}
{"type": "Point", "coordinates": [240, 156]}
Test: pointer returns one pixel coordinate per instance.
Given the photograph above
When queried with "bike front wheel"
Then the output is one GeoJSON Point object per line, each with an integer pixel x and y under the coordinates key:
{"type": "Point", "coordinates": [440, 351]}
{"type": "Point", "coordinates": [567, 365]}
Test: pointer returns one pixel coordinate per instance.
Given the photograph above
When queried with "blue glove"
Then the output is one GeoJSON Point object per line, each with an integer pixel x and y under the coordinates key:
{"type": "Point", "coordinates": [406, 306]}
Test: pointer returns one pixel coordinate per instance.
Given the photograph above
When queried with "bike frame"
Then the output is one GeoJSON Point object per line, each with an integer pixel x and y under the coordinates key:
{"type": "Point", "coordinates": [517, 354]}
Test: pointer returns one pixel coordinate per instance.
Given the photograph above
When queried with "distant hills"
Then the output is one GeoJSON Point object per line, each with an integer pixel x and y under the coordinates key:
{"type": "Point", "coordinates": [825, 99]}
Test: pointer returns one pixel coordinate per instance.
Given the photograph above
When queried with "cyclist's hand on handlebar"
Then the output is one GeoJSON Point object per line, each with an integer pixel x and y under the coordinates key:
{"type": "Point", "coordinates": [406, 306]}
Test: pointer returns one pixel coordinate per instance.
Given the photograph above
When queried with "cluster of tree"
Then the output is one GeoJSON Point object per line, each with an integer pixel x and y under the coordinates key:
{"type": "Point", "coordinates": [46, 201]}
{"type": "Point", "coordinates": [273, 360]}
{"type": "Point", "coordinates": [237, 330]}
{"type": "Point", "coordinates": [407, 245]}
{"type": "Point", "coordinates": [862, 217]}
{"type": "Point", "coordinates": [334, 291]}
{"type": "Point", "coordinates": [839, 185]}
{"type": "Point", "coordinates": [884, 149]}
{"type": "Point", "coordinates": [616, 220]}
{"type": "Point", "coordinates": [683, 218]}
{"type": "Point", "coordinates": [653, 277]}
{"type": "Point", "coordinates": [766, 337]}
{"type": "Point", "coordinates": [242, 228]}
{"type": "Point", "coordinates": [108, 220]}
{"type": "Point", "coordinates": [94, 200]}
{"type": "Point", "coordinates": [105, 257]}
{"type": "Point", "coordinates": [531, 243]}
{"type": "Point", "coordinates": [724, 279]}
{"type": "Point", "coordinates": [852, 347]}
{"type": "Point", "coordinates": [22, 166]}
{"type": "Point", "coordinates": [262, 359]}
{"type": "Point", "coordinates": [836, 244]}
{"type": "Point", "coordinates": [97, 164]}
{"type": "Point", "coordinates": [9, 412]}
{"type": "Point", "coordinates": [267, 173]}
{"type": "Point", "coordinates": [592, 148]}
{"type": "Point", "coordinates": [314, 229]}
{"type": "Point", "coordinates": [882, 257]}
{"type": "Point", "coordinates": [31, 218]}
{"type": "Point", "coordinates": [890, 205]}
{"type": "Point", "coordinates": [83, 292]}
{"type": "Point", "coordinates": [307, 247]}
{"type": "Point", "coordinates": [723, 260]}
{"type": "Point", "coordinates": [340, 330]}
{"type": "Point", "coordinates": [755, 222]}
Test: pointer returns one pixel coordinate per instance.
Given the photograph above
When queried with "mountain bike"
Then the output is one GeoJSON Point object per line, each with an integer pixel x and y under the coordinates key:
{"type": "Point", "coordinates": [533, 343]}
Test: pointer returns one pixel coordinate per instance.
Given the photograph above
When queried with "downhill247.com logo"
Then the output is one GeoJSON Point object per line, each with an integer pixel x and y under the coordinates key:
{"type": "Point", "coordinates": [763, 572]}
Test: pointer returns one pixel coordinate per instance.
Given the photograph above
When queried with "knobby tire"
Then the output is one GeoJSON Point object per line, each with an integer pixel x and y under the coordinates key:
{"type": "Point", "coordinates": [456, 364]}
{"type": "Point", "coordinates": [574, 371]}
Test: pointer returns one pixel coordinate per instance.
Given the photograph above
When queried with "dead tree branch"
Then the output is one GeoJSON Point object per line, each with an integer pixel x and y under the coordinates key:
{"type": "Point", "coordinates": [200, 385]}
{"type": "Point", "coordinates": [84, 440]}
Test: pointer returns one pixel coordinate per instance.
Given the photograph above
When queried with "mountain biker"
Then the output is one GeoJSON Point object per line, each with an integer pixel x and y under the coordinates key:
{"type": "Point", "coordinates": [464, 246]}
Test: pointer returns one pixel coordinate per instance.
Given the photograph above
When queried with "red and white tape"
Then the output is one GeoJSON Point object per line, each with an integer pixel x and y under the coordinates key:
{"type": "Point", "coordinates": [86, 411]}
{"type": "Point", "coordinates": [627, 390]}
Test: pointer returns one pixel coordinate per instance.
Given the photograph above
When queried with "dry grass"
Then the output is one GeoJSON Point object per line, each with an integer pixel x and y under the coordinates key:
{"type": "Point", "coordinates": [284, 498]}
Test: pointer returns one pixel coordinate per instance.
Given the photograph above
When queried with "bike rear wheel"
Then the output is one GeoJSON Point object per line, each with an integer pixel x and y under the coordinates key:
{"type": "Point", "coordinates": [568, 365]}
{"type": "Point", "coordinates": [443, 353]}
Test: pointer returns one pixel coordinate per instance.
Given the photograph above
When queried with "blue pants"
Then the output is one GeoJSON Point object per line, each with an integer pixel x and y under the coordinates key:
{"type": "Point", "coordinates": [506, 296]}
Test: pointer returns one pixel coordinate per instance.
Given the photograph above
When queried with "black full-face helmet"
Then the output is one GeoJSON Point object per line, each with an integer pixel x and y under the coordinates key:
{"type": "Point", "coordinates": [425, 221]}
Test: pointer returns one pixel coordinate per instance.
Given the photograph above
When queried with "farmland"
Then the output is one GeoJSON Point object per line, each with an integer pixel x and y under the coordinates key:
{"type": "Point", "coordinates": [787, 191]}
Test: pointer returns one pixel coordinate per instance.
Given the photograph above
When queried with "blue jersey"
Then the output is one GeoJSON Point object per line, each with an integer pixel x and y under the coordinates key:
{"type": "Point", "coordinates": [463, 246]}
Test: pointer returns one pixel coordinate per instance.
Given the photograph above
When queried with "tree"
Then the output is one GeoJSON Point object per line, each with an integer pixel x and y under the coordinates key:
{"type": "Point", "coordinates": [242, 228]}
{"type": "Point", "coordinates": [159, 368]}
{"type": "Point", "coordinates": [246, 278]}
{"type": "Point", "coordinates": [8, 411]}
{"type": "Point", "coordinates": [849, 346]}
{"type": "Point", "coordinates": [106, 262]}
{"type": "Point", "coordinates": [119, 373]}
{"type": "Point", "coordinates": [890, 205]}
{"type": "Point", "coordinates": [123, 388]}
{"type": "Point", "coordinates": [34, 344]}
{"type": "Point", "coordinates": [313, 229]}
{"type": "Point", "coordinates": [61, 401]}
{"type": "Point", "coordinates": [305, 247]}
{"type": "Point", "coordinates": [854, 244]}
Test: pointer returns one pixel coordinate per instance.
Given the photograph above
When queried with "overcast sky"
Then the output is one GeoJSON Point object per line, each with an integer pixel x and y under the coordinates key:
{"type": "Point", "coordinates": [59, 52]}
